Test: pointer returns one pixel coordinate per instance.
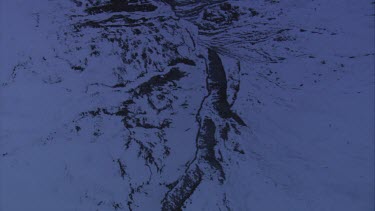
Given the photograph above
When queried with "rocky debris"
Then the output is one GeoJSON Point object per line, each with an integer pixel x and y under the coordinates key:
{"type": "Point", "coordinates": [156, 52]}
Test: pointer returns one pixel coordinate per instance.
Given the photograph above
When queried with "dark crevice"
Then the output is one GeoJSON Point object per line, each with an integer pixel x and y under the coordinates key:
{"type": "Point", "coordinates": [123, 6]}
{"type": "Point", "coordinates": [153, 83]}
{"type": "Point", "coordinates": [178, 60]}
{"type": "Point", "coordinates": [122, 168]}
{"type": "Point", "coordinates": [217, 84]}
{"type": "Point", "coordinates": [237, 86]}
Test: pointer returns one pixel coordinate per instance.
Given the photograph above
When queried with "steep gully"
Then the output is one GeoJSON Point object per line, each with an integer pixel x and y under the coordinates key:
{"type": "Point", "coordinates": [206, 159]}
{"type": "Point", "coordinates": [214, 117]}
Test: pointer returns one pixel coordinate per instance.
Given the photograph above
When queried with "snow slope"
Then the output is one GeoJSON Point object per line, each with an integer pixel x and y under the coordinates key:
{"type": "Point", "coordinates": [208, 105]}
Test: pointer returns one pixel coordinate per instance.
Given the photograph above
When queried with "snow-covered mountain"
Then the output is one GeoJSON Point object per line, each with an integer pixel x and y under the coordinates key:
{"type": "Point", "coordinates": [144, 105]}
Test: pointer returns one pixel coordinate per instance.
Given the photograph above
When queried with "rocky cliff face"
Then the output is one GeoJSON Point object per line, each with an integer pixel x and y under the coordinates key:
{"type": "Point", "coordinates": [166, 105]}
